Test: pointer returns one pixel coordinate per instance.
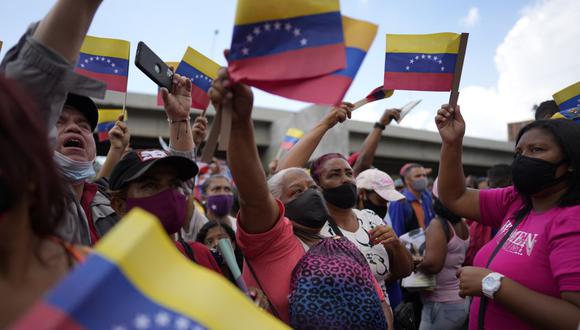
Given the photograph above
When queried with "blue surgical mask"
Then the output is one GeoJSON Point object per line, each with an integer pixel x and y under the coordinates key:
{"type": "Point", "coordinates": [74, 170]}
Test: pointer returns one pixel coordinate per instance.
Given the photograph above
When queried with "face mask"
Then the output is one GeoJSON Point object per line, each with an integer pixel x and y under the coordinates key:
{"type": "Point", "coordinates": [532, 175]}
{"type": "Point", "coordinates": [380, 210]}
{"type": "Point", "coordinates": [343, 196]}
{"type": "Point", "coordinates": [169, 206]}
{"type": "Point", "coordinates": [308, 209]}
{"type": "Point", "coordinates": [220, 205]}
{"type": "Point", "coordinates": [419, 185]}
{"type": "Point", "coordinates": [74, 170]}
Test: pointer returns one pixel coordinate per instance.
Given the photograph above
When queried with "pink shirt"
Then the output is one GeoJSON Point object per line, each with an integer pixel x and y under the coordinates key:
{"type": "Point", "coordinates": [541, 254]}
{"type": "Point", "coordinates": [273, 255]}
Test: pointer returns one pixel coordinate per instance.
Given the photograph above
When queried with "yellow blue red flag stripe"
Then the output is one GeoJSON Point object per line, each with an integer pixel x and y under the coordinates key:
{"type": "Point", "coordinates": [106, 60]}
{"type": "Point", "coordinates": [568, 97]}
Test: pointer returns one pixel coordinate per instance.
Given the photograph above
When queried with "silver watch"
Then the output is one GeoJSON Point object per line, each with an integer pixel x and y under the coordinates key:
{"type": "Point", "coordinates": [491, 284]}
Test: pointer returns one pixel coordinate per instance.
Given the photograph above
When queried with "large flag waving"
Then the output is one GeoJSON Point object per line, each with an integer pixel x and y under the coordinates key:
{"type": "Point", "coordinates": [424, 62]}
{"type": "Point", "coordinates": [283, 40]}
{"type": "Point", "coordinates": [330, 89]}
{"type": "Point", "coordinates": [137, 279]}
{"type": "Point", "coordinates": [106, 60]}
{"type": "Point", "coordinates": [201, 71]}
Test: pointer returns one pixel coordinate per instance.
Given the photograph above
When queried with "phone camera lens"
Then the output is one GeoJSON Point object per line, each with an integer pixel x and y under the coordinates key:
{"type": "Point", "coordinates": [157, 68]}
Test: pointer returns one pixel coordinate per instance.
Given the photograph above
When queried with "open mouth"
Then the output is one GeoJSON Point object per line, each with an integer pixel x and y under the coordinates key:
{"type": "Point", "coordinates": [73, 143]}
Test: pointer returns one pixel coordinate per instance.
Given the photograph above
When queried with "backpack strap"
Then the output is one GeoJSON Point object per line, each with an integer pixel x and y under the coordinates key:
{"type": "Point", "coordinates": [188, 250]}
{"type": "Point", "coordinates": [272, 307]}
{"type": "Point", "coordinates": [334, 227]}
{"type": "Point", "coordinates": [483, 300]}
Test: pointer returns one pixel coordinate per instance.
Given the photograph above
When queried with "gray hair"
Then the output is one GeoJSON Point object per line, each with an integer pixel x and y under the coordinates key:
{"type": "Point", "coordinates": [275, 181]}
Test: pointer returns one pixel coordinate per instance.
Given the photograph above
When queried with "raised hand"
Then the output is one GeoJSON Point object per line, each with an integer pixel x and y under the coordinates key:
{"type": "Point", "coordinates": [119, 135]}
{"type": "Point", "coordinates": [450, 124]}
{"type": "Point", "coordinates": [384, 235]}
{"type": "Point", "coordinates": [389, 115]}
{"type": "Point", "coordinates": [338, 114]}
{"type": "Point", "coordinates": [224, 91]}
{"type": "Point", "coordinates": [199, 130]}
{"type": "Point", "coordinates": [178, 103]}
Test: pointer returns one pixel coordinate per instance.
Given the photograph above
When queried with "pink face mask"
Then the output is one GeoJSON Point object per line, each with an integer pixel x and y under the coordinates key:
{"type": "Point", "coordinates": [169, 206]}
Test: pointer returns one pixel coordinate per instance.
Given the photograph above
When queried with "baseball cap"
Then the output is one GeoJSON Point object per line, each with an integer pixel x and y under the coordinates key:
{"type": "Point", "coordinates": [84, 105]}
{"type": "Point", "coordinates": [138, 162]}
{"type": "Point", "coordinates": [380, 182]}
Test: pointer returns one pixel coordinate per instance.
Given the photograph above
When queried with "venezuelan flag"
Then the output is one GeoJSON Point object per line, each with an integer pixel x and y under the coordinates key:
{"type": "Point", "coordinates": [284, 40]}
{"type": "Point", "coordinates": [424, 62]}
{"type": "Point", "coordinates": [570, 114]}
{"type": "Point", "coordinates": [330, 89]}
{"type": "Point", "coordinates": [107, 119]}
{"type": "Point", "coordinates": [569, 97]}
{"type": "Point", "coordinates": [291, 138]}
{"type": "Point", "coordinates": [159, 98]}
{"type": "Point", "coordinates": [379, 93]}
{"type": "Point", "coordinates": [201, 71]}
{"type": "Point", "coordinates": [137, 279]}
{"type": "Point", "coordinates": [106, 60]}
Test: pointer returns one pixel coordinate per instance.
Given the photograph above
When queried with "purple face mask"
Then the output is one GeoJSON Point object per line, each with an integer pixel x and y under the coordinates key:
{"type": "Point", "coordinates": [169, 206]}
{"type": "Point", "coordinates": [220, 205]}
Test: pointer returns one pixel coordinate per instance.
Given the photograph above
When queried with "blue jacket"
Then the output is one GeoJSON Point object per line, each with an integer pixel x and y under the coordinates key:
{"type": "Point", "coordinates": [401, 212]}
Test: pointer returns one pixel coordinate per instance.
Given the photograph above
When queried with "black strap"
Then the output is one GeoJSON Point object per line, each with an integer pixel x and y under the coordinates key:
{"type": "Point", "coordinates": [483, 300]}
{"type": "Point", "coordinates": [334, 227]}
{"type": "Point", "coordinates": [272, 307]}
{"type": "Point", "coordinates": [188, 250]}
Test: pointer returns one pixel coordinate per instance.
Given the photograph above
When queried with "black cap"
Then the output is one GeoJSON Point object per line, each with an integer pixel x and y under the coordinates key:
{"type": "Point", "coordinates": [86, 106]}
{"type": "Point", "coordinates": [138, 162]}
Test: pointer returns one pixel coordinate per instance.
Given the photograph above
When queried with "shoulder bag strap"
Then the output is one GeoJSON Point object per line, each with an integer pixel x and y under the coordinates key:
{"type": "Point", "coordinates": [188, 250]}
{"type": "Point", "coordinates": [272, 307]}
{"type": "Point", "coordinates": [483, 300]}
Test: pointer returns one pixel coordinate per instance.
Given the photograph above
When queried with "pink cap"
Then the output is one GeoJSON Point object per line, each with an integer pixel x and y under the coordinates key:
{"type": "Point", "coordinates": [436, 187]}
{"type": "Point", "coordinates": [380, 182]}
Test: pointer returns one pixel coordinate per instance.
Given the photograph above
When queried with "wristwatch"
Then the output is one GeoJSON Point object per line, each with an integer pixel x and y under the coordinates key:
{"type": "Point", "coordinates": [380, 126]}
{"type": "Point", "coordinates": [491, 284]}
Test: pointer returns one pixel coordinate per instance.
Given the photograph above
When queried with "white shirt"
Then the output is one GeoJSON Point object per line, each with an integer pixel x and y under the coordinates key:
{"type": "Point", "coordinates": [377, 257]}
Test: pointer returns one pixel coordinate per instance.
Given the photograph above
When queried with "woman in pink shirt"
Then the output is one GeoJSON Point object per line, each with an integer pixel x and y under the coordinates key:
{"type": "Point", "coordinates": [528, 275]}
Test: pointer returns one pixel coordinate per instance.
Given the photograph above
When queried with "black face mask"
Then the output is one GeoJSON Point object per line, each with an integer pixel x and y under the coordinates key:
{"type": "Point", "coordinates": [343, 196]}
{"type": "Point", "coordinates": [308, 209]}
{"type": "Point", "coordinates": [380, 210]}
{"type": "Point", "coordinates": [532, 175]}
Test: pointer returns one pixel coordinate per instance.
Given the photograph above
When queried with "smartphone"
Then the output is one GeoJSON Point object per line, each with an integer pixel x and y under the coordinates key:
{"type": "Point", "coordinates": [152, 66]}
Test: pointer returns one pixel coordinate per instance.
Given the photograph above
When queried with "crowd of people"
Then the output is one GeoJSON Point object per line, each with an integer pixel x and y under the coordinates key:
{"type": "Point", "coordinates": [318, 241]}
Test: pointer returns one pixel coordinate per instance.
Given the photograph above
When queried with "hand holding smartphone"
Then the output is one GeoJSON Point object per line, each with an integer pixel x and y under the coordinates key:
{"type": "Point", "coordinates": [152, 66]}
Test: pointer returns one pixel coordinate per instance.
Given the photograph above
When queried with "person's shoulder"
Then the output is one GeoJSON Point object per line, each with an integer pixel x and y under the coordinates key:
{"type": "Point", "coordinates": [369, 216]}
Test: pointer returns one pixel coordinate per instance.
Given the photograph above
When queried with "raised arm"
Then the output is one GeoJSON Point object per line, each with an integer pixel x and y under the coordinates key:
{"type": "Point", "coordinates": [369, 148]}
{"type": "Point", "coordinates": [119, 137]}
{"type": "Point", "coordinates": [64, 28]}
{"type": "Point", "coordinates": [258, 208]}
{"type": "Point", "coordinates": [299, 154]}
{"type": "Point", "coordinates": [177, 107]}
{"type": "Point", "coordinates": [452, 190]}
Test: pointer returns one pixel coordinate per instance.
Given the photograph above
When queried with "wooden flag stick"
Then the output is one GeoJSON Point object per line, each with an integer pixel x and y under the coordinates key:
{"type": "Point", "coordinates": [212, 140]}
{"type": "Point", "coordinates": [226, 125]}
{"type": "Point", "coordinates": [360, 103]}
{"type": "Point", "coordinates": [458, 68]}
{"type": "Point", "coordinates": [279, 154]}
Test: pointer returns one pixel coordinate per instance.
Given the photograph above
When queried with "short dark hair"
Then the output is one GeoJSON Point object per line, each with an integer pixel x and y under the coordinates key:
{"type": "Point", "coordinates": [546, 110]}
{"type": "Point", "coordinates": [499, 176]}
{"type": "Point", "coordinates": [27, 168]}
{"type": "Point", "coordinates": [201, 236]}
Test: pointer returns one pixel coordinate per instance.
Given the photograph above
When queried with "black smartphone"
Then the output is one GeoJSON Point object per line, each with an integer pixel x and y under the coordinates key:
{"type": "Point", "coordinates": [151, 65]}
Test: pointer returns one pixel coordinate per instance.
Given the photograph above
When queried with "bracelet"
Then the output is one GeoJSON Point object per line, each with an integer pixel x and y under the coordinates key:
{"type": "Point", "coordinates": [379, 125]}
{"type": "Point", "coordinates": [171, 121]}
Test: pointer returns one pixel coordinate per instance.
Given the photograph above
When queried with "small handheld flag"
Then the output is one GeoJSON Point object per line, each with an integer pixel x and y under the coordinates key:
{"type": "Point", "coordinates": [137, 279]}
{"type": "Point", "coordinates": [376, 94]}
{"type": "Point", "coordinates": [331, 88]}
{"type": "Point", "coordinates": [107, 119]}
{"type": "Point", "coordinates": [568, 97]}
{"type": "Point", "coordinates": [106, 60]}
{"type": "Point", "coordinates": [292, 137]}
{"type": "Point", "coordinates": [201, 71]}
{"type": "Point", "coordinates": [285, 40]}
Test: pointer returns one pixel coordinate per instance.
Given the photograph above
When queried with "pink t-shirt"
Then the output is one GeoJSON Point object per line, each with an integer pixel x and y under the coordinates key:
{"type": "Point", "coordinates": [542, 252]}
{"type": "Point", "coordinates": [273, 255]}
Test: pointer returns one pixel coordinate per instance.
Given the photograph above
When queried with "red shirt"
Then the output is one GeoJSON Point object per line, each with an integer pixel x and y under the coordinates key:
{"type": "Point", "coordinates": [202, 255]}
{"type": "Point", "coordinates": [89, 192]}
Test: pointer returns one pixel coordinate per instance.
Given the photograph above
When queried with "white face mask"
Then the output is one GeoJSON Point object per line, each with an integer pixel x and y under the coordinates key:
{"type": "Point", "coordinates": [74, 170]}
